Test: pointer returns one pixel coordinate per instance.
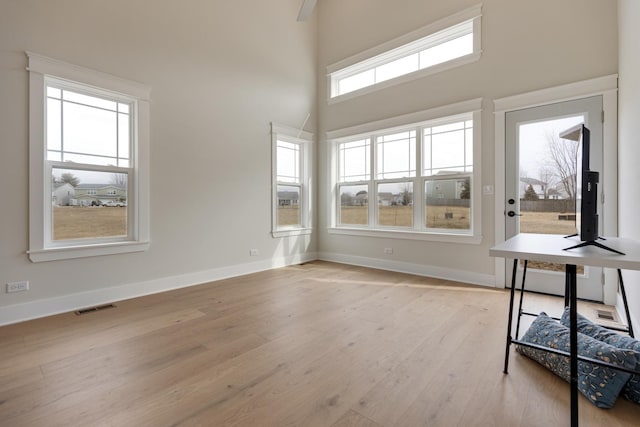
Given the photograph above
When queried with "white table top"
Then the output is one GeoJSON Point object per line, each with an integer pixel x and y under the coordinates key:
{"type": "Point", "coordinates": [550, 248]}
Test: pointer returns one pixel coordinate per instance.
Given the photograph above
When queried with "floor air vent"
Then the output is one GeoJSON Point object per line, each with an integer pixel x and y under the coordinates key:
{"type": "Point", "coordinates": [607, 315]}
{"type": "Point", "coordinates": [94, 309]}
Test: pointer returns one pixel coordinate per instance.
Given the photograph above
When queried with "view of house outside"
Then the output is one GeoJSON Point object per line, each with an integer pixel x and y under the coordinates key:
{"type": "Point", "coordinates": [82, 210]}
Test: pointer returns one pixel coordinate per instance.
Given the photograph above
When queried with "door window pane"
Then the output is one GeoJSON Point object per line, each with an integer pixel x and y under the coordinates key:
{"type": "Point", "coordinates": [547, 181]}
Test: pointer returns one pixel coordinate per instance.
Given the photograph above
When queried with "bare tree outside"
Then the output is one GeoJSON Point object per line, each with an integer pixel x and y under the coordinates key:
{"type": "Point", "coordinates": [119, 180]}
{"type": "Point", "coordinates": [563, 155]}
{"type": "Point", "coordinates": [548, 176]}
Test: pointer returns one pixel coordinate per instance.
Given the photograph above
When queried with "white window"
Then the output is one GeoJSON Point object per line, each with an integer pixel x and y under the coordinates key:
{"type": "Point", "coordinates": [291, 151]}
{"type": "Point", "coordinates": [417, 179]}
{"type": "Point", "coordinates": [87, 130]}
{"type": "Point", "coordinates": [448, 43]}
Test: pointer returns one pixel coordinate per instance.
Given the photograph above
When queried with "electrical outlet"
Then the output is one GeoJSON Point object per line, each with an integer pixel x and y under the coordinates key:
{"type": "Point", "coordinates": [254, 252]}
{"type": "Point", "coordinates": [388, 250]}
{"type": "Point", "coordinates": [18, 286]}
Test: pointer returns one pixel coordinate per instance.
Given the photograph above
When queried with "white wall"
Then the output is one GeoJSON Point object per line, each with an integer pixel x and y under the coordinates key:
{"type": "Point", "coordinates": [220, 72]}
{"type": "Point", "coordinates": [629, 139]}
{"type": "Point", "coordinates": [526, 46]}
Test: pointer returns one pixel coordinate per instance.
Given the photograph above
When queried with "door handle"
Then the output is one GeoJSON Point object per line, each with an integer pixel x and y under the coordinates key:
{"type": "Point", "coordinates": [512, 214]}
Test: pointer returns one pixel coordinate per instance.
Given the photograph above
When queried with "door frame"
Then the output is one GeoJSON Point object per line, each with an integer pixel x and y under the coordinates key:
{"type": "Point", "coordinates": [607, 87]}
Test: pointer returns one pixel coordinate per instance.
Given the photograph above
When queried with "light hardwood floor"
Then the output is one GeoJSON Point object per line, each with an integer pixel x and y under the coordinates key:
{"type": "Point", "coordinates": [319, 344]}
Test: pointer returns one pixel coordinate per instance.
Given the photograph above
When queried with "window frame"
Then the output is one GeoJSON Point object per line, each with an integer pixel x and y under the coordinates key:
{"type": "Point", "coordinates": [467, 110]}
{"type": "Point", "coordinates": [434, 34]}
{"type": "Point", "coordinates": [42, 71]}
{"type": "Point", "coordinates": [304, 140]}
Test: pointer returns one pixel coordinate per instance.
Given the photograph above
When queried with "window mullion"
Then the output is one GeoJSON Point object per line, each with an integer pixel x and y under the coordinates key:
{"type": "Point", "coordinates": [372, 190]}
{"type": "Point", "coordinates": [418, 187]}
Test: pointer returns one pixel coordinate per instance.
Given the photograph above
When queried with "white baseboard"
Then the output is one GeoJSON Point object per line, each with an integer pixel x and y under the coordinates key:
{"type": "Point", "coordinates": [67, 303]}
{"type": "Point", "coordinates": [417, 269]}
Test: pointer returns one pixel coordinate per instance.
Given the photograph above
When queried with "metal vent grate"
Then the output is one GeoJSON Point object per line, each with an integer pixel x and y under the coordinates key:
{"type": "Point", "coordinates": [94, 309]}
{"type": "Point", "coordinates": [607, 315]}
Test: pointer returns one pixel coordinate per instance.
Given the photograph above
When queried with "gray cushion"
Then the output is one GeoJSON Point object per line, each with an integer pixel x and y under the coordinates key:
{"type": "Point", "coordinates": [601, 385]}
{"type": "Point", "coordinates": [632, 389]}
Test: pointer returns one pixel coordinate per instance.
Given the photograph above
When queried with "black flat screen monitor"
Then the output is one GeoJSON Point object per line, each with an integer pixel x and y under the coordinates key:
{"type": "Point", "coordinates": [586, 184]}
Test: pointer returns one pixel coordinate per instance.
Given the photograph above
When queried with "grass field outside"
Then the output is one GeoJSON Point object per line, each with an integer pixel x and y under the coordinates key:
{"type": "Point", "coordinates": [288, 215]}
{"type": "Point", "coordinates": [81, 222]}
{"type": "Point", "coordinates": [444, 217]}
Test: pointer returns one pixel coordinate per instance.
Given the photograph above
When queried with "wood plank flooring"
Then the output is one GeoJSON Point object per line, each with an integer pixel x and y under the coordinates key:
{"type": "Point", "coordinates": [319, 344]}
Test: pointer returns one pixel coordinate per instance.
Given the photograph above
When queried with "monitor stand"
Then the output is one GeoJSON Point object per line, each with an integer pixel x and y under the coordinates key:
{"type": "Point", "coordinates": [593, 243]}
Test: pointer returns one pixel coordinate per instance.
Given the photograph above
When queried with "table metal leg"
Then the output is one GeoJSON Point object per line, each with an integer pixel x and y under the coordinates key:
{"type": "Point", "coordinates": [626, 306]}
{"type": "Point", "coordinates": [513, 290]}
{"type": "Point", "coordinates": [573, 334]}
{"type": "Point", "coordinates": [524, 277]}
{"type": "Point", "coordinates": [567, 290]}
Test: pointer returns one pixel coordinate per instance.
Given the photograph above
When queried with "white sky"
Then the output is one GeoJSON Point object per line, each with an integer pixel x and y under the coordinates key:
{"type": "Point", "coordinates": [533, 142]}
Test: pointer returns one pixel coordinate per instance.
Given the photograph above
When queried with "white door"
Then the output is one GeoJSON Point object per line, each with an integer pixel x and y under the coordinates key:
{"type": "Point", "coordinates": [540, 184]}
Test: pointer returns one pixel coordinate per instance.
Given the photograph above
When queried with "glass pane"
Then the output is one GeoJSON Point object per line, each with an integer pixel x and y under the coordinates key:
{"type": "Point", "coordinates": [354, 205]}
{"type": "Point", "coordinates": [547, 180]}
{"type": "Point", "coordinates": [123, 108]}
{"type": "Point", "coordinates": [88, 204]}
{"type": "Point", "coordinates": [54, 123]}
{"type": "Point", "coordinates": [395, 204]}
{"type": "Point", "coordinates": [448, 127]}
{"type": "Point", "coordinates": [447, 150]}
{"type": "Point", "coordinates": [87, 100]}
{"type": "Point", "coordinates": [396, 68]}
{"type": "Point", "coordinates": [123, 136]}
{"type": "Point", "coordinates": [448, 203]}
{"type": "Point", "coordinates": [468, 150]}
{"type": "Point", "coordinates": [54, 156]}
{"type": "Point", "coordinates": [355, 82]}
{"type": "Point", "coordinates": [89, 130]}
{"type": "Point", "coordinates": [446, 51]}
{"type": "Point", "coordinates": [396, 155]}
{"type": "Point", "coordinates": [288, 162]}
{"type": "Point", "coordinates": [354, 161]}
{"type": "Point", "coordinates": [426, 152]}
{"type": "Point", "coordinates": [288, 206]}
{"type": "Point", "coordinates": [53, 92]}
{"type": "Point", "coordinates": [92, 160]}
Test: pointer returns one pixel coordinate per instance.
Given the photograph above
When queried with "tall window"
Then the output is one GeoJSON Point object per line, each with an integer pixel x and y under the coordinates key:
{"type": "Point", "coordinates": [450, 42]}
{"type": "Point", "coordinates": [88, 131]}
{"type": "Point", "coordinates": [291, 190]}
{"type": "Point", "coordinates": [414, 178]}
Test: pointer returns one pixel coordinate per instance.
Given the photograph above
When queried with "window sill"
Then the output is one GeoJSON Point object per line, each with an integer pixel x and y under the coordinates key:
{"type": "Point", "coordinates": [83, 251]}
{"type": "Point", "coordinates": [409, 235]}
{"type": "Point", "coordinates": [291, 232]}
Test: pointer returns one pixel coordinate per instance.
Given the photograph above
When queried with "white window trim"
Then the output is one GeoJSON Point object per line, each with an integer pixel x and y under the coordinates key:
{"type": "Point", "coordinates": [473, 13]}
{"type": "Point", "coordinates": [305, 139]}
{"type": "Point", "coordinates": [40, 68]}
{"type": "Point", "coordinates": [474, 107]}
